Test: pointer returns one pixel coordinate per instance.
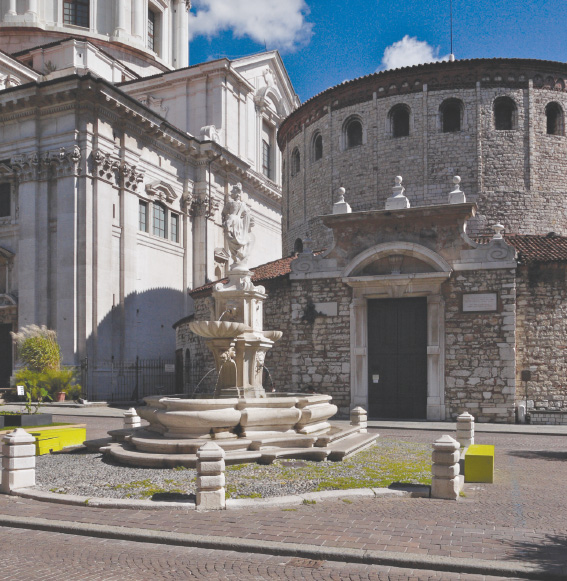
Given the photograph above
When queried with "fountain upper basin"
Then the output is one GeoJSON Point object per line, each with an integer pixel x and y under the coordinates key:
{"type": "Point", "coordinates": [218, 329]}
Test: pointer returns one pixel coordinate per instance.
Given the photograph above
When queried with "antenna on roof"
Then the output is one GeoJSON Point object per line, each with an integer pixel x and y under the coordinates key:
{"type": "Point", "coordinates": [451, 56]}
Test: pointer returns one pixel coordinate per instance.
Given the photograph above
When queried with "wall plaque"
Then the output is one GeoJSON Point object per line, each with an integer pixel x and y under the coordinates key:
{"type": "Point", "coordinates": [480, 302]}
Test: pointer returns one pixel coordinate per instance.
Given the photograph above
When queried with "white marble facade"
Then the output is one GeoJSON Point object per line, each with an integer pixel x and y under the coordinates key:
{"type": "Point", "coordinates": [115, 164]}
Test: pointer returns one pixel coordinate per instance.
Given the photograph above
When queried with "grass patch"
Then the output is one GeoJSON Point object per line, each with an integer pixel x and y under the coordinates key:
{"type": "Point", "coordinates": [146, 488]}
{"type": "Point", "coordinates": [307, 501]}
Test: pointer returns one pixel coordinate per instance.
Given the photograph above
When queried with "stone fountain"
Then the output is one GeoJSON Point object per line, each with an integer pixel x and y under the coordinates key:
{"type": "Point", "coordinates": [241, 417]}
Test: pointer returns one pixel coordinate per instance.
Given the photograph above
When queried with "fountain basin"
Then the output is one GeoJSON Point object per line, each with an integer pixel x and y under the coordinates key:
{"type": "Point", "coordinates": [219, 418]}
{"type": "Point", "coordinates": [218, 329]}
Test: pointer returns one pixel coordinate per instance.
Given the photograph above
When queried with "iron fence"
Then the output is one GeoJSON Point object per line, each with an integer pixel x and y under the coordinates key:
{"type": "Point", "coordinates": [127, 380]}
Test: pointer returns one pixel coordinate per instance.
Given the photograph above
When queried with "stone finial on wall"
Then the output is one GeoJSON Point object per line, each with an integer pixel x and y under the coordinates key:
{"type": "Point", "coordinates": [397, 201]}
{"type": "Point", "coordinates": [457, 196]}
{"type": "Point", "coordinates": [498, 231]}
{"type": "Point", "coordinates": [340, 206]}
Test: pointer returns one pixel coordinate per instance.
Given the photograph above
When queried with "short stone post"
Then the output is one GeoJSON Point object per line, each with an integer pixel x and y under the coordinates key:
{"type": "Point", "coordinates": [210, 477]}
{"type": "Point", "coordinates": [465, 430]}
{"type": "Point", "coordinates": [359, 419]}
{"type": "Point", "coordinates": [446, 482]}
{"type": "Point", "coordinates": [18, 461]}
{"type": "Point", "coordinates": [132, 419]}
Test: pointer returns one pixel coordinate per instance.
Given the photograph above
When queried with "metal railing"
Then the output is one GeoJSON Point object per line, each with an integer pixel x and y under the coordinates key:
{"type": "Point", "coordinates": [112, 380]}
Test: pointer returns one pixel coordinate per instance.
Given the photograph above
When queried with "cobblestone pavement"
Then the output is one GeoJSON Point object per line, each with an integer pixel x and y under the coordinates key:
{"type": "Point", "coordinates": [61, 557]}
{"type": "Point", "coordinates": [519, 518]}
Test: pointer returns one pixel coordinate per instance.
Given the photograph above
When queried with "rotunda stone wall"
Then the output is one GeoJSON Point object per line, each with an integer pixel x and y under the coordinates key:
{"type": "Point", "coordinates": [512, 167]}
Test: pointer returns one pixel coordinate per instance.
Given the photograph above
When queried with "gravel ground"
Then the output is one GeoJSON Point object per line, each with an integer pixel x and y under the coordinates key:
{"type": "Point", "coordinates": [91, 474]}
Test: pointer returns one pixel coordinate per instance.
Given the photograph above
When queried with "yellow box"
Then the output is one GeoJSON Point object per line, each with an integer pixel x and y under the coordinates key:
{"type": "Point", "coordinates": [52, 440]}
{"type": "Point", "coordinates": [479, 463]}
{"type": "Point", "coordinates": [46, 445]}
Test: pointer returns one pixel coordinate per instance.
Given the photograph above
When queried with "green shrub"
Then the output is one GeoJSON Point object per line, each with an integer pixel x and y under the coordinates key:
{"type": "Point", "coordinates": [49, 383]}
{"type": "Point", "coordinates": [38, 349]}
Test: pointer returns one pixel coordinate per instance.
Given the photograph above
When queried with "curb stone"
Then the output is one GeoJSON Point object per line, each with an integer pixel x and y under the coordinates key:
{"type": "Point", "coordinates": [310, 497]}
{"type": "Point", "coordinates": [344, 555]}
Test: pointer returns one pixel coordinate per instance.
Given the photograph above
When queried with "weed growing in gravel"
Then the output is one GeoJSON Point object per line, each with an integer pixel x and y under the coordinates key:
{"type": "Point", "coordinates": [307, 501]}
{"type": "Point", "coordinates": [147, 489]}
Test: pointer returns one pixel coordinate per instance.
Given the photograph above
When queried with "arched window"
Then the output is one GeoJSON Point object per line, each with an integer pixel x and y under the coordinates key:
{"type": "Point", "coordinates": [295, 162]}
{"type": "Point", "coordinates": [317, 147]}
{"type": "Point", "coordinates": [504, 114]}
{"type": "Point", "coordinates": [400, 121]}
{"type": "Point", "coordinates": [451, 115]}
{"type": "Point", "coordinates": [298, 246]}
{"type": "Point", "coordinates": [555, 119]}
{"type": "Point", "coordinates": [353, 132]}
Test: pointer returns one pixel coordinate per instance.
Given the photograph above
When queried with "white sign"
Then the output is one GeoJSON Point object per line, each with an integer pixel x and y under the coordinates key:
{"type": "Point", "coordinates": [169, 368]}
{"type": "Point", "coordinates": [20, 390]}
{"type": "Point", "coordinates": [480, 302]}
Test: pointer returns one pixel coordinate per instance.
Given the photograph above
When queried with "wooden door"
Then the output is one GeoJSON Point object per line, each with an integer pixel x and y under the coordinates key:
{"type": "Point", "coordinates": [5, 355]}
{"type": "Point", "coordinates": [397, 358]}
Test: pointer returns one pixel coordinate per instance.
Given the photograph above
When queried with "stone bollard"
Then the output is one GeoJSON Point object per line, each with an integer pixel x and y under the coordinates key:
{"type": "Point", "coordinates": [359, 418]}
{"type": "Point", "coordinates": [210, 477]}
{"type": "Point", "coordinates": [446, 482]}
{"type": "Point", "coordinates": [18, 461]}
{"type": "Point", "coordinates": [132, 419]}
{"type": "Point", "coordinates": [465, 430]}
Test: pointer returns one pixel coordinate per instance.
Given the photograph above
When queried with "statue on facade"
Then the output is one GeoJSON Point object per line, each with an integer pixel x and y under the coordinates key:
{"type": "Point", "coordinates": [237, 223]}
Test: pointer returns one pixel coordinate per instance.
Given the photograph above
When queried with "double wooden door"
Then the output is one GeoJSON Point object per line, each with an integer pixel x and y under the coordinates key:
{"type": "Point", "coordinates": [397, 358]}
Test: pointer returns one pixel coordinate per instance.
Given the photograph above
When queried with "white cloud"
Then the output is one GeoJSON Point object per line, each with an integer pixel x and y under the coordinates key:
{"type": "Point", "coordinates": [409, 51]}
{"type": "Point", "coordinates": [279, 23]}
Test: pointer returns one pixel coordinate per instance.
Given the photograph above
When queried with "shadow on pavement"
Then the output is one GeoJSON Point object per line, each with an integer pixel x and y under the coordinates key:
{"type": "Point", "coordinates": [551, 555]}
{"type": "Point", "coordinates": [539, 455]}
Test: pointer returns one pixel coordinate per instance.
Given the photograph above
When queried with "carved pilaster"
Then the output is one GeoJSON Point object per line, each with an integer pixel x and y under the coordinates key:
{"type": "Point", "coordinates": [202, 207]}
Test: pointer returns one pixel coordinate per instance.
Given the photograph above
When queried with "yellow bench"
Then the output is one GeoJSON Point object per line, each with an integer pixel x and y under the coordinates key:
{"type": "Point", "coordinates": [479, 463]}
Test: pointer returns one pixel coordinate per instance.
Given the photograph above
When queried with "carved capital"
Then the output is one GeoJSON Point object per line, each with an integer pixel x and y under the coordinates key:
{"type": "Point", "coordinates": [26, 166]}
{"type": "Point", "coordinates": [131, 176]}
{"type": "Point", "coordinates": [105, 164]}
{"type": "Point", "coordinates": [202, 207]}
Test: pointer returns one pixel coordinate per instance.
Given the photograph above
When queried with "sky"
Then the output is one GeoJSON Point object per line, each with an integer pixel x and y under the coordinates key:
{"type": "Point", "coordinates": [326, 42]}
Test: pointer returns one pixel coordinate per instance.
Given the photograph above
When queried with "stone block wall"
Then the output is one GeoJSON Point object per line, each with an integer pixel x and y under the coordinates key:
{"type": "Point", "coordinates": [515, 176]}
{"type": "Point", "coordinates": [320, 344]}
{"type": "Point", "coordinates": [548, 418]}
{"type": "Point", "coordinates": [542, 335]}
{"type": "Point", "coordinates": [480, 348]}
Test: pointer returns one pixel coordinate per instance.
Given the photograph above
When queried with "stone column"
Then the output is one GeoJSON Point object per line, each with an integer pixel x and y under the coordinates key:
{"type": "Point", "coordinates": [210, 477]}
{"type": "Point", "coordinates": [18, 461]}
{"type": "Point", "coordinates": [31, 12]}
{"type": "Point", "coordinates": [181, 32]}
{"type": "Point", "coordinates": [12, 9]}
{"type": "Point", "coordinates": [138, 20]}
{"type": "Point", "coordinates": [465, 430]}
{"type": "Point", "coordinates": [359, 419]}
{"type": "Point", "coordinates": [120, 29]}
{"type": "Point", "coordinates": [132, 419]}
{"type": "Point", "coordinates": [446, 482]}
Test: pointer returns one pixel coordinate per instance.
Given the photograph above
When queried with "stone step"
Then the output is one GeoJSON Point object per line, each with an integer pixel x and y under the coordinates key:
{"type": "Point", "coordinates": [346, 446]}
{"type": "Point", "coordinates": [335, 434]}
{"type": "Point", "coordinates": [182, 446]}
{"type": "Point", "coordinates": [315, 454]}
{"type": "Point", "coordinates": [96, 445]}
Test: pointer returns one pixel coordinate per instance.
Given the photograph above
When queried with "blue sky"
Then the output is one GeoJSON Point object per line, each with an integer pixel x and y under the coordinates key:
{"type": "Point", "coordinates": [324, 42]}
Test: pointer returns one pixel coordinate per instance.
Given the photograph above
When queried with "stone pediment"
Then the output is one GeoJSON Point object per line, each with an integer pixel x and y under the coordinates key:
{"type": "Point", "coordinates": [13, 73]}
{"type": "Point", "coordinates": [7, 301]}
{"type": "Point", "coordinates": [162, 191]}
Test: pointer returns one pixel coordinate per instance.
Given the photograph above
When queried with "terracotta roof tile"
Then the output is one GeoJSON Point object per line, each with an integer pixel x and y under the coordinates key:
{"type": "Point", "coordinates": [264, 272]}
{"type": "Point", "coordinates": [538, 248]}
